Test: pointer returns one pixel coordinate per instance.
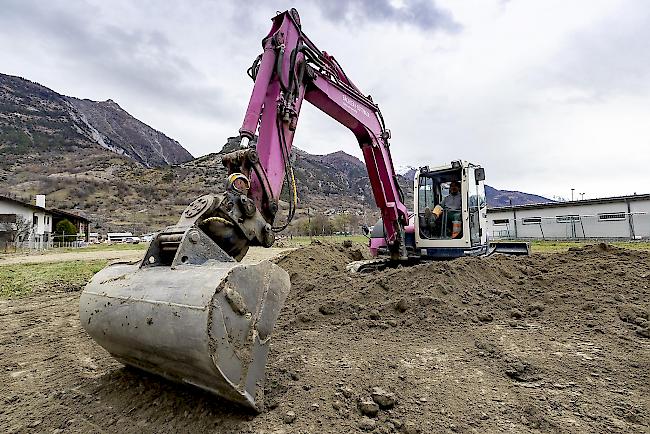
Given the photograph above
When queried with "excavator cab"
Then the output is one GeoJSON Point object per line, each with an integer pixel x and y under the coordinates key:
{"type": "Point", "coordinates": [451, 210]}
{"type": "Point", "coordinates": [449, 218]}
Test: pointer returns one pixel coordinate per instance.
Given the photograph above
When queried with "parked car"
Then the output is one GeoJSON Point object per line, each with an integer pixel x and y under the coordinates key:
{"type": "Point", "coordinates": [132, 240]}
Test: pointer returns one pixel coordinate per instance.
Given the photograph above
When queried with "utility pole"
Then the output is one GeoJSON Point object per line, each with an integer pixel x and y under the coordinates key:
{"type": "Point", "coordinates": [572, 190]}
{"type": "Point", "coordinates": [309, 217]}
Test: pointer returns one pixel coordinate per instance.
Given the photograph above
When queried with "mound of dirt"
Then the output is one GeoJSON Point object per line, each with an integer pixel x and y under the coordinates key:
{"type": "Point", "coordinates": [546, 343]}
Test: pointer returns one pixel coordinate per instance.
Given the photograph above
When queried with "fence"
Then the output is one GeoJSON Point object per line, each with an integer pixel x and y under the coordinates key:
{"type": "Point", "coordinates": [615, 226]}
{"type": "Point", "coordinates": [37, 245]}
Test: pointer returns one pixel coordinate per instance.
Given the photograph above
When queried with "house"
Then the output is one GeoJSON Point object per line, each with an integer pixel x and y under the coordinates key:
{"type": "Point", "coordinates": [34, 225]}
{"type": "Point", "coordinates": [26, 223]}
{"type": "Point", "coordinates": [80, 222]}
{"type": "Point", "coordinates": [620, 217]}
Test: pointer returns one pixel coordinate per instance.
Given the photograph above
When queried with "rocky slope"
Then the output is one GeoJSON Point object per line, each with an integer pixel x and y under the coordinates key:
{"type": "Point", "coordinates": [119, 130]}
{"type": "Point", "coordinates": [116, 193]}
{"type": "Point", "coordinates": [496, 198]}
{"type": "Point", "coordinates": [33, 117]}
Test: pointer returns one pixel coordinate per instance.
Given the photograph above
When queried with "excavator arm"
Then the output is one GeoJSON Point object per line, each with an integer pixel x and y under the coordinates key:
{"type": "Point", "coordinates": [292, 69]}
{"type": "Point", "coordinates": [189, 311]}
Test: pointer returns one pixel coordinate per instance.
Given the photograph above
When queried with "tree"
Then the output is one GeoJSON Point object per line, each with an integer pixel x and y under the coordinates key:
{"type": "Point", "coordinates": [342, 223]}
{"type": "Point", "coordinates": [65, 227]}
{"type": "Point", "coordinates": [321, 224]}
{"type": "Point", "coordinates": [23, 228]}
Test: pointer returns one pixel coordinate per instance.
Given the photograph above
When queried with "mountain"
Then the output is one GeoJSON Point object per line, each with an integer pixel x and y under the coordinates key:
{"type": "Point", "coordinates": [94, 158]}
{"type": "Point", "coordinates": [117, 193]}
{"type": "Point", "coordinates": [33, 117]}
{"type": "Point", "coordinates": [496, 198]}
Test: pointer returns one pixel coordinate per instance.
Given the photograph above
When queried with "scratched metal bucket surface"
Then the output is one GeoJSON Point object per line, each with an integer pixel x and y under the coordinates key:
{"type": "Point", "coordinates": [207, 325]}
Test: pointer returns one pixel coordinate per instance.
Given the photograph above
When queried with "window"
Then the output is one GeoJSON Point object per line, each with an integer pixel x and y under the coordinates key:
{"type": "Point", "coordinates": [531, 220]}
{"type": "Point", "coordinates": [426, 195]}
{"type": "Point", "coordinates": [567, 218]}
{"type": "Point", "coordinates": [611, 216]}
{"type": "Point", "coordinates": [501, 221]}
{"type": "Point", "coordinates": [35, 220]}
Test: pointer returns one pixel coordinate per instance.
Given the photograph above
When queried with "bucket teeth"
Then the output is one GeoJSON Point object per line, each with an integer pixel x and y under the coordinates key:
{"type": "Point", "coordinates": [207, 325]}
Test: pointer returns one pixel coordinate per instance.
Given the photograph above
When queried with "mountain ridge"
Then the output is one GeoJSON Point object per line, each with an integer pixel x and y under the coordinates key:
{"type": "Point", "coordinates": [32, 115]}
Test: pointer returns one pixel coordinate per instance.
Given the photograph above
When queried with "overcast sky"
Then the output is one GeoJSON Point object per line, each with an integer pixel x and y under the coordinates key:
{"type": "Point", "coordinates": [547, 95]}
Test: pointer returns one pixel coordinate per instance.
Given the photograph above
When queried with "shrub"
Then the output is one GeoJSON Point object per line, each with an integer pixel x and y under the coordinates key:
{"type": "Point", "coordinates": [66, 227]}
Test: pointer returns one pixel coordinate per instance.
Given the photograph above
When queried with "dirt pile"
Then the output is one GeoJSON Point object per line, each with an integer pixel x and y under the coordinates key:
{"type": "Point", "coordinates": [547, 343]}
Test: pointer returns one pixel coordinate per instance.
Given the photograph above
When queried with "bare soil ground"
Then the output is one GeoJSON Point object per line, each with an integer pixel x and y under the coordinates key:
{"type": "Point", "coordinates": [547, 343]}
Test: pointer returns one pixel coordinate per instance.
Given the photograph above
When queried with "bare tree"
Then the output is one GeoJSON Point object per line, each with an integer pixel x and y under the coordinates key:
{"type": "Point", "coordinates": [23, 228]}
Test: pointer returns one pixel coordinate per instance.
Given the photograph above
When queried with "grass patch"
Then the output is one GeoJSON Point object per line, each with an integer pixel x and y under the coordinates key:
{"type": "Point", "coordinates": [563, 246]}
{"type": "Point", "coordinates": [21, 279]}
{"type": "Point", "coordinates": [304, 241]}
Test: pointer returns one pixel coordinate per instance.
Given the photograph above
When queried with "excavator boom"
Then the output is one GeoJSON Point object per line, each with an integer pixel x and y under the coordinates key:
{"type": "Point", "coordinates": [189, 311]}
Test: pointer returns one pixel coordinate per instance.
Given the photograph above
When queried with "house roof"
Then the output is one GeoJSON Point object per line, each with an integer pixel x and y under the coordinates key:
{"type": "Point", "coordinates": [62, 213]}
{"type": "Point", "coordinates": [21, 203]}
{"type": "Point", "coordinates": [53, 211]}
{"type": "Point", "coordinates": [628, 198]}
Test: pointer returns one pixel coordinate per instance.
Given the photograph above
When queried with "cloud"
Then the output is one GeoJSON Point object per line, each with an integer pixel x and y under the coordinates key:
{"type": "Point", "coordinates": [605, 59]}
{"type": "Point", "coordinates": [143, 61]}
{"type": "Point", "coordinates": [545, 100]}
{"type": "Point", "coordinates": [423, 14]}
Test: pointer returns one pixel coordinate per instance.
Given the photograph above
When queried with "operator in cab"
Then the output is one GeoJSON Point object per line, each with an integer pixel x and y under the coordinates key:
{"type": "Point", "coordinates": [450, 212]}
{"type": "Point", "coordinates": [453, 201]}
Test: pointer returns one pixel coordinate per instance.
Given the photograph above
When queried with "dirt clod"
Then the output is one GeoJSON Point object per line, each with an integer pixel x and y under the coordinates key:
{"type": "Point", "coordinates": [367, 424]}
{"type": "Point", "coordinates": [289, 417]}
{"type": "Point", "coordinates": [383, 398]}
{"type": "Point", "coordinates": [368, 407]}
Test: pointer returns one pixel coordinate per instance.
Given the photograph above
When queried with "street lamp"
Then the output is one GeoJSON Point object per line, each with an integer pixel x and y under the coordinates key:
{"type": "Point", "coordinates": [582, 196]}
{"type": "Point", "coordinates": [572, 190]}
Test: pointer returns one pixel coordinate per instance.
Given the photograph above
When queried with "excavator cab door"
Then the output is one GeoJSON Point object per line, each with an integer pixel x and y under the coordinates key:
{"type": "Point", "coordinates": [451, 210]}
{"type": "Point", "coordinates": [476, 205]}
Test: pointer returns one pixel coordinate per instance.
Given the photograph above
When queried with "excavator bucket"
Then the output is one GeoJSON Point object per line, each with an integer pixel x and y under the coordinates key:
{"type": "Point", "coordinates": [189, 313]}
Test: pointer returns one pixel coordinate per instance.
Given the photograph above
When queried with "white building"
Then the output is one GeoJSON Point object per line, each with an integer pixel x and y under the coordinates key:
{"type": "Point", "coordinates": [36, 218]}
{"type": "Point", "coordinates": [118, 237]}
{"type": "Point", "coordinates": [622, 217]}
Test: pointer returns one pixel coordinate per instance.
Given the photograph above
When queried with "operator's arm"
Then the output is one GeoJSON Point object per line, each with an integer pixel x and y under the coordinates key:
{"type": "Point", "coordinates": [290, 70]}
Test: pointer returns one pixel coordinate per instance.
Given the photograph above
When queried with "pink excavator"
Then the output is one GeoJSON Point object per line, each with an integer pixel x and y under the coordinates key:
{"type": "Point", "coordinates": [189, 311]}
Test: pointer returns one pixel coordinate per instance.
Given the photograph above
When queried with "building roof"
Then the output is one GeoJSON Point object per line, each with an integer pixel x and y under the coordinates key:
{"type": "Point", "coordinates": [52, 211]}
{"type": "Point", "coordinates": [628, 198]}
{"type": "Point", "coordinates": [21, 203]}
{"type": "Point", "coordinates": [68, 214]}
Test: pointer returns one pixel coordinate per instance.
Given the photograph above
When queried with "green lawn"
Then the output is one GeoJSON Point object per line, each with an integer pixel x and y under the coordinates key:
{"type": "Point", "coordinates": [21, 279]}
{"type": "Point", "coordinates": [563, 246]}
